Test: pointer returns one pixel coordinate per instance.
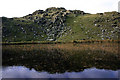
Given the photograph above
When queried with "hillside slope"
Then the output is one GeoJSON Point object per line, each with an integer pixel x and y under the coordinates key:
{"type": "Point", "coordinates": [59, 24]}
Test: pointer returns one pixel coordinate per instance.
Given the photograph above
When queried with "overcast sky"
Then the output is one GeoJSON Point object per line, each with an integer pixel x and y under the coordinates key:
{"type": "Point", "coordinates": [19, 8]}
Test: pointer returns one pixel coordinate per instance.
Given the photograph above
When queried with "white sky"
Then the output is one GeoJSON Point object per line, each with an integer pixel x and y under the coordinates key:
{"type": "Point", "coordinates": [19, 8]}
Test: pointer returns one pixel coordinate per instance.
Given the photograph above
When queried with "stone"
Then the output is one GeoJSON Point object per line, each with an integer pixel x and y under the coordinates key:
{"type": "Point", "coordinates": [95, 24]}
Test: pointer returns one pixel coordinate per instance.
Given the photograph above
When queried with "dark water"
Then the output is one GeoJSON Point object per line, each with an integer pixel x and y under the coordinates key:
{"type": "Point", "coordinates": [61, 61]}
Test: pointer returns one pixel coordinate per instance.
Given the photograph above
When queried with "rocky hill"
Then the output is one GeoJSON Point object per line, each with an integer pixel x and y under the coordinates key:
{"type": "Point", "coordinates": [59, 24]}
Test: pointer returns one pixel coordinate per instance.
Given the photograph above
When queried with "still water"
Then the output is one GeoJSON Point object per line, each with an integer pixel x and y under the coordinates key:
{"type": "Point", "coordinates": [61, 61]}
{"type": "Point", "coordinates": [23, 72]}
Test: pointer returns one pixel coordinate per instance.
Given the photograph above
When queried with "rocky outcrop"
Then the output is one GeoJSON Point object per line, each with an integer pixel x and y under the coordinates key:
{"type": "Point", "coordinates": [52, 20]}
{"type": "Point", "coordinates": [50, 24]}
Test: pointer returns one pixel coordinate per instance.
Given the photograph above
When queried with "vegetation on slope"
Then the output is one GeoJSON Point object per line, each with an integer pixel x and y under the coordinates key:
{"type": "Point", "coordinates": [93, 27]}
{"type": "Point", "coordinates": [59, 24]}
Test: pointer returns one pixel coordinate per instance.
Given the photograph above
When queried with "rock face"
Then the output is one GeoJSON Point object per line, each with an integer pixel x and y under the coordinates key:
{"type": "Point", "coordinates": [51, 21]}
{"type": "Point", "coordinates": [50, 25]}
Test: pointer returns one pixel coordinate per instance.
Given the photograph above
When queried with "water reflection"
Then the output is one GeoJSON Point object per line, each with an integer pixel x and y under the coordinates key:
{"type": "Point", "coordinates": [23, 72]}
{"type": "Point", "coordinates": [64, 59]}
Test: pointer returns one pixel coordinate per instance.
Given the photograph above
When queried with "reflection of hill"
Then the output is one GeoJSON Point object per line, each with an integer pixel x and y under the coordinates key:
{"type": "Point", "coordinates": [59, 60]}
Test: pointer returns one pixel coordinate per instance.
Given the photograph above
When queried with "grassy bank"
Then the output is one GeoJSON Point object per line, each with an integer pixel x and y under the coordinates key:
{"type": "Point", "coordinates": [60, 42]}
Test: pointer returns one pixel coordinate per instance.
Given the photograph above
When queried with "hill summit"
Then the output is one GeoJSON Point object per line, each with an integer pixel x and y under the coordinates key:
{"type": "Point", "coordinates": [59, 24]}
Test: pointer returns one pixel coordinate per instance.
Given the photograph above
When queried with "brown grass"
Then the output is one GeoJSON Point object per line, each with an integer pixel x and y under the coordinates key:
{"type": "Point", "coordinates": [109, 47]}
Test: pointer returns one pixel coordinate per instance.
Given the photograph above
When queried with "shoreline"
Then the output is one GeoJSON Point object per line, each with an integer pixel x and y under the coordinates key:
{"type": "Point", "coordinates": [59, 42]}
